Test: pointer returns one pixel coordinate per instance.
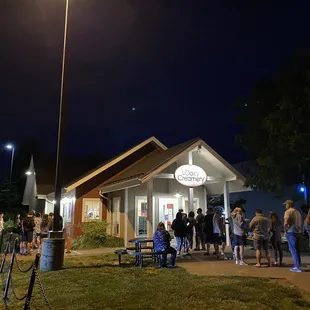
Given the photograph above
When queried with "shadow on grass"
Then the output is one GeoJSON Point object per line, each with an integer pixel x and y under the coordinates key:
{"type": "Point", "coordinates": [123, 265]}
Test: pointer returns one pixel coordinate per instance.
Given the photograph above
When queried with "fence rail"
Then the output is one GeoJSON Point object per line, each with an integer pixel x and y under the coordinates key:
{"type": "Point", "coordinates": [8, 283]}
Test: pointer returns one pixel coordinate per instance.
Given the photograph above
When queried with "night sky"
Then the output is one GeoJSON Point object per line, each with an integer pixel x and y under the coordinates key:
{"type": "Point", "coordinates": [180, 64]}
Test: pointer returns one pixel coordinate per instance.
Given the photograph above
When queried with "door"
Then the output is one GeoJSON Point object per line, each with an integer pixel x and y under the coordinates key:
{"type": "Point", "coordinates": [168, 208]}
{"type": "Point", "coordinates": [116, 209]}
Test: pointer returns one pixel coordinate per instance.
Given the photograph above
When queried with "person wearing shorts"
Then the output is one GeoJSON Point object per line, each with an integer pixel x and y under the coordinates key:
{"type": "Point", "coordinates": [239, 233]}
{"type": "Point", "coordinates": [261, 225]}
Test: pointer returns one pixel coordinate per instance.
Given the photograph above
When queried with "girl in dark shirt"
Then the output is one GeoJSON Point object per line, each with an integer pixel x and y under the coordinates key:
{"type": "Point", "coordinates": [178, 225]}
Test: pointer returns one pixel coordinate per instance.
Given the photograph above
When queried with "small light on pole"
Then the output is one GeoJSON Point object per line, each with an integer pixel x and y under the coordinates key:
{"type": "Point", "coordinates": [12, 149]}
{"type": "Point", "coordinates": [303, 189]}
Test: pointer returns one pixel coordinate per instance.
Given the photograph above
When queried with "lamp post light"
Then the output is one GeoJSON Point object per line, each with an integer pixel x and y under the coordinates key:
{"type": "Point", "coordinates": [303, 189]}
{"type": "Point", "coordinates": [12, 149]}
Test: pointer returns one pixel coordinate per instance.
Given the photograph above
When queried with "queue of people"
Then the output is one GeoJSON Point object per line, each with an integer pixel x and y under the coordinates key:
{"type": "Point", "coordinates": [209, 230]}
{"type": "Point", "coordinates": [32, 229]}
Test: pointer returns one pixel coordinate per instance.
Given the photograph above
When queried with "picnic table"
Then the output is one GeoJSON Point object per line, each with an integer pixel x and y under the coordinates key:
{"type": "Point", "coordinates": [139, 246]}
{"type": "Point", "coordinates": [139, 243]}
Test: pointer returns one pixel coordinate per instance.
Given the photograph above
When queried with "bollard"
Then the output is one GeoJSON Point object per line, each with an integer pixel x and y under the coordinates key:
{"type": "Point", "coordinates": [8, 280]}
{"type": "Point", "coordinates": [68, 240]}
{"type": "Point", "coordinates": [32, 281]}
{"type": "Point", "coordinates": [6, 251]}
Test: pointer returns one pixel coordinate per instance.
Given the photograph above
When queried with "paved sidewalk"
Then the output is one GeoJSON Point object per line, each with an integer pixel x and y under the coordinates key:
{"type": "Point", "coordinates": [202, 265]}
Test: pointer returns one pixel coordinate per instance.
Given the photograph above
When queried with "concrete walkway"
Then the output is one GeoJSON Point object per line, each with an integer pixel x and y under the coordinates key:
{"type": "Point", "coordinates": [202, 265]}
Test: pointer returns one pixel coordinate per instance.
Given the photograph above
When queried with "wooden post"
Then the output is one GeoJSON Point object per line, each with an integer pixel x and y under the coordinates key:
{"type": "Point", "coordinates": [8, 280]}
{"type": "Point", "coordinates": [68, 240]}
{"type": "Point", "coordinates": [32, 281]}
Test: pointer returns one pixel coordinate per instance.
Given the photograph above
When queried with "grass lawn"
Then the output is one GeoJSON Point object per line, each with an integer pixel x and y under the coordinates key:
{"type": "Point", "coordinates": [97, 282]}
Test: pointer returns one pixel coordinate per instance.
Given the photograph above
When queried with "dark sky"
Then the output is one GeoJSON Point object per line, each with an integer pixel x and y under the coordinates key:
{"type": "Point", "coordinates": [181, 64]}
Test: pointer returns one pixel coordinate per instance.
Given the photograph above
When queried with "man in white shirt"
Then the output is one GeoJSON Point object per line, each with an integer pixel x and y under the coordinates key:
{"type": "Point", "coordinates": [293, 228]}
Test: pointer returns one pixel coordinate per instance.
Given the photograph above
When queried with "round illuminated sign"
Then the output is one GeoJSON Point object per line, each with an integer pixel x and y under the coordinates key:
{"type": "Point", "coordinates": [190, 175]}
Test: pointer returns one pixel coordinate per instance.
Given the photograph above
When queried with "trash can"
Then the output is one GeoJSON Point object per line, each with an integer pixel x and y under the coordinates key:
{"type": "Point", "coordinates": [52, 255]}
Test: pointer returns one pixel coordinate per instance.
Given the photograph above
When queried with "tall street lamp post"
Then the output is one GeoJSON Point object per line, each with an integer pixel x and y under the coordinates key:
{"type": "Point", "coordinates": [58, 185]}
{"type": "Point", "coordinates": [52, 257]}
{"type": "Point", "coordinates": [12, 149]}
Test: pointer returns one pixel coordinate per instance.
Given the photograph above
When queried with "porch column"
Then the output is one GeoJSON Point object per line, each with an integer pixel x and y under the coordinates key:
{"type": "Point", "coordinates": [150, 208]}
{"type": "Point", "coordinates": [190, 189]}
{"type": "Point", "coordinates": [126, 217]}
{"type": "Point", "coordinates": [109, 215]}
{"type": "Point", "coordinates": [227, 210]}
{"type": "Point", "coordinates": [205, 196]}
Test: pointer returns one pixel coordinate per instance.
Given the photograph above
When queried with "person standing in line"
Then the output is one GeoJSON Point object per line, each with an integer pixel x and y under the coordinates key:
{"type": "Point", "coordinates": [276, 227]}
{"type": "Point", "coordinates": [199, 231]}
{"type": "Point", "coordinates": [223, 237]}
{"type": "Point", "coordinates": [293, 228]}
{"type": "Point", "coordinates": [229, 221]}
{"type": "Point", "coordinates": [37, 231]}
{"type": "Point", "coordinates": [239, 233]}
{"type": "Point", "coordinates": [186, 239]}
{"type": "Point", "coordinates": [28, 226]}
{"type": "Point", "coordinates": [178, 226]}
{"type": "Point", "coordinates": [191, 220]}
{"type": "Point", "coordinates": [217, 230]}
{"type": "Point", "coordinates": [307, 226]}
{"type": "Point", "coordinates": [44, 226]}
{"type": "Point", "coordinates": [208, 230]}
{"type": "Point", "coordinates": [261, 225]}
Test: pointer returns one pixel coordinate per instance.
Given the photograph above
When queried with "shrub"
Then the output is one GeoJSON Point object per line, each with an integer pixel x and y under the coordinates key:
{"type": "Point", "coordinates": [94, 235]}
{"type": "Point", "coordinates": [9, 226]}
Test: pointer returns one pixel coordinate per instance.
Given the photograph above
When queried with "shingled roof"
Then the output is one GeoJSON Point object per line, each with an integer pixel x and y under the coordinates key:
{"type": "Point", "coordinates": [150, 162]}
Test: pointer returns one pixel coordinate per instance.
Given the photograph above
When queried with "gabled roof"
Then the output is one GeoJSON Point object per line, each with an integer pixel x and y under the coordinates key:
{"type": "Point", "coordinates": [84, 178]}
{"type": "Point", "coordinates": [157, 162]}
{"type": "Point", "coordinates": [151, 162]}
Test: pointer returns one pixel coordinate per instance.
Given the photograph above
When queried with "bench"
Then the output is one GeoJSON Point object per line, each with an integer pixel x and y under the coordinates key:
{"type": "Point", "coordinates": [120, 252]}
{"type": "Point", "coordinates": [132, 248]}
{"type": "Point", "coordinates": [146, 247]}
{"type": "Point", "coordinates": [140, 255]}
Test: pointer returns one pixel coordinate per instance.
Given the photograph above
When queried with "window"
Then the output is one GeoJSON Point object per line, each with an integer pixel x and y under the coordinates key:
{"type": "Point", "coordinates": [141, 216]}
{"type": "Point", "coordinates": [92, 210]}
{"type": "Point", "coordinates": [116, 216]}
{"type": "Point", "coordinates": [67, 212]}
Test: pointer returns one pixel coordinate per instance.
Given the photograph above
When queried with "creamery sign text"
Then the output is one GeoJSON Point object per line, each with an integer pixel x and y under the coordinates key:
{"type": "Point", "coordinates": [190, 175]}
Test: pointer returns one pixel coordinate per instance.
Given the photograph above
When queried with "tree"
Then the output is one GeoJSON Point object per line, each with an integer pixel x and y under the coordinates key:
{"type": "Point", "coordinates": [9, 196]}
{"type": "Point", "coordinates": [276, 125]}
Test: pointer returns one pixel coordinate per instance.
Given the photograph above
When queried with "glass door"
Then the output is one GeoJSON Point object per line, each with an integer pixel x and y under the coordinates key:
{"type": "Point", "coordinates": [168, 208]}
{"type": "Point", "coordinates": [141, 216]}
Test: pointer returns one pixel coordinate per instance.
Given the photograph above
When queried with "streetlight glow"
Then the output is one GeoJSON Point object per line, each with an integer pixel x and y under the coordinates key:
{"type": "Point", "coordinates": [28, 173]}
{"type": "Point", "coordinates": [9, 146]}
